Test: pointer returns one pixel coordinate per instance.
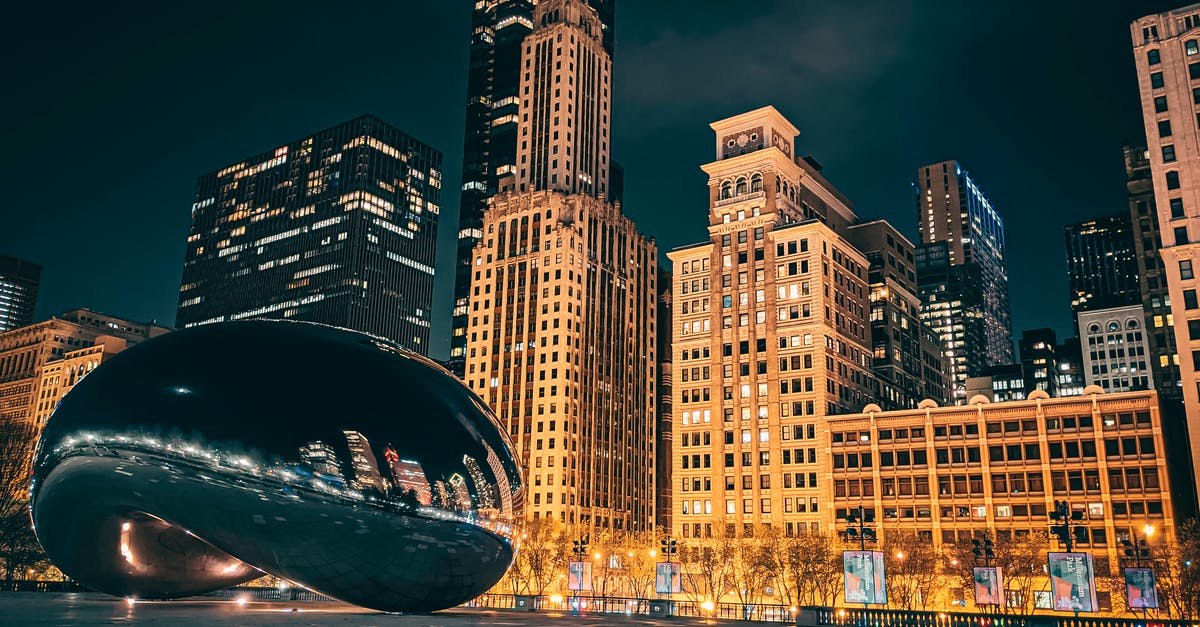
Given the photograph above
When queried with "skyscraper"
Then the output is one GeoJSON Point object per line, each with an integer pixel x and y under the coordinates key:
{"type": "Point", "coordinates": [770, 336]}
{"type": "Point", "coordinates": [494, 89]}
{"type": "Point", "coordinates": [19, 280]}
{"type": "Point", "coordinates": [1166, 50]}
{"type": "Point", "coordinates": [1039, 360]}
{"type": "Point", "coordinates": [1152, 280]}
{"type": "Point", "coordinates": [664, 443]}
{"type": "Point", "coordinates": [951, 209]}
{"type": "Point", "coordinates": [906, 358]}
{"type": "Point", "coordinates": [1102, 268]}
{"type": "Point", "coordinates": [339, 227]}
{"type": "Point", "coordinates": [950, 307]}
{"type": "Point", "coordinates": [561, 309]}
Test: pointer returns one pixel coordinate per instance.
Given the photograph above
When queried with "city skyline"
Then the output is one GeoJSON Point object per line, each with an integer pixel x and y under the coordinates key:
{"type": "Point", "coordinates": [861, 86]}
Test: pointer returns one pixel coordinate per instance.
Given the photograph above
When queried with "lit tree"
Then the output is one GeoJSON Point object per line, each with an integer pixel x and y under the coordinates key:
{"type": "Point", "coordinates": [750, 568]}
{"type": "Point", "coordinates": [708, 570]}
{"type": "Point", "coordinates": [641, 558]}
{"type": "Point", "coordinates": [1177, 570]}
{"type": "Point", "coordinates": [19, 549]}
{"type": "Point", "coordinates": [913, 569]}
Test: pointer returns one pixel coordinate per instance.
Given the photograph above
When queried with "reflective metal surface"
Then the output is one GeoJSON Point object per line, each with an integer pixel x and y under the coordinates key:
{"type": "Point", "coordinates": [325, 457]}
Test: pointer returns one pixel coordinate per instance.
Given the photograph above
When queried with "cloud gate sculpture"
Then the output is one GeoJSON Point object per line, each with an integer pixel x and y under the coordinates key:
{"type": "Point", "coordinates": [207, 457]}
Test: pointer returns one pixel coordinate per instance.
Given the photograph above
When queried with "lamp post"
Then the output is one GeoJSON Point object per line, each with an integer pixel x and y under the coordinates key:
{"type": "Point", "coordinates": [1138, 549]}
{"type": "Point", "coordinates": [579, 549]}
{"type": "Point", "coordinates": [669, 547]}
{"type": "Point", "coordinates": [858, 529]}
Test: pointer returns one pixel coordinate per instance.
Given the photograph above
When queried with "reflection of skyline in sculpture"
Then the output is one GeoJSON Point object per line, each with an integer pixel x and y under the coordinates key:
{"type": "Point", "coordinates": [441, 495]}
{"type": "Point", "coordinates": [462, 495]}
{"type": "Point", "coordinates": [161, 475]}
{"type": "Point", "coordinates": [502, 486]}
{"type": "Point", "coordinates": [322, 459]}
{"type": "Point", "coordinates": [485, 492]}
{"type": "Point", "coordinates": [407, 475]}
{"type": "Point", "coordinates": [362, 460]}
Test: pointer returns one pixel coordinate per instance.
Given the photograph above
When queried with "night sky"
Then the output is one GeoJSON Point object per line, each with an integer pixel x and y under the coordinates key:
{"type": "Point", "coordinates": [113, 110]}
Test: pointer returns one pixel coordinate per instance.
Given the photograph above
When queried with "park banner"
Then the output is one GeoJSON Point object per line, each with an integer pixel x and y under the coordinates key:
{"type": "Point", "coordinates": [864, 577]}
{"type": "Point", "coordinates": [1141, 593]}
{"type": "Point", "coordinates": [579, 576]}
{"type": "Point", "coordinates": [1072, 582]}
{"type": "Point", "coordinates": [668, 578]}
{"type": "Point", "coordinates": [989, 586]}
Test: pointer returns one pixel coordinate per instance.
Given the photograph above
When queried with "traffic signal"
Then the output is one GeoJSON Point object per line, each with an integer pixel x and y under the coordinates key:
{"type": "Point", "coordinates": [669, 547]}
{"type": "Point", "coordinates": [984, 549]}
{"type": "Point", "coordinates": [1062, 530]}
{"type": "Point", "coordinates": [581, 545]}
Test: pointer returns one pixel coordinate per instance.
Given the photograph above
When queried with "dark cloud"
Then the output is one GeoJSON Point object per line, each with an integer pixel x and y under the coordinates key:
{"type": "Point", "coordinates": [117, 108]}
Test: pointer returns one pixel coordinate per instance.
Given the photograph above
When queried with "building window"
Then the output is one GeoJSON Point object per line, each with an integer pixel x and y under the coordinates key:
{"type": "Point", "coordinates": [1168, 153]}
{"type": "Point", "coordinates": [1193, 329]}
{"type": "Point", "coordinates": [1190, 47]}
{"type": "Point", "coordinates": [1189, 300]}
{"type": "Point", "coordinates": [1194, 70]}
{"type": "Point", "coordinates": [1176, 208]}
{"type": "Point", "coordinates": [1185, 269]}
{"type": "Point", "coordinates": [1181, 235]}
{"type": "Point", "coordinates": [1160, 104]}
{"type": "Point", "coordinates": [1153, 57]}
{"type": "Point", "coordinates": [1156, 80]}
{"type": "Point", "coordinates": [1173, 180]}
{"type": "Point", "coordinates": [1164, 128]}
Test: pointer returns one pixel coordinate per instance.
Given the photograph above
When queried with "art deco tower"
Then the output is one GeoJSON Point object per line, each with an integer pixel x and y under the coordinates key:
{"type": "Point", "coordinates": [560, 338]}
{"type": "Point", "coordinates": [494, 86]}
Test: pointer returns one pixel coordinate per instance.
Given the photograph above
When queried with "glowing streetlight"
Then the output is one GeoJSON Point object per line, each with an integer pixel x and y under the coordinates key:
{"type": "Point", "coordinates": [899, 555]}
{"type": "Point", "coordinates": [1149, 530]}
{"type": "Point", "coordinates": [653, 552]}
{"type": "Point", "coordinates": [596, 556]}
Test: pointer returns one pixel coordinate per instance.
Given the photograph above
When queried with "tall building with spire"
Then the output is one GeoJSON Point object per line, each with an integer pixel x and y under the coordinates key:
{"type": "Point", "coordinates": [561, 312]}
{"type": "Point", "coordinates": [964, 291]}
{"type": "Point", "coordinates": [494, 88]}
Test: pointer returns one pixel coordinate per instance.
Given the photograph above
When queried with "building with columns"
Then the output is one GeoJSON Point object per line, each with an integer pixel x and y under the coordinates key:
{"type": "Point", "coordinates": [560, 335]}
{"type": "Point", "coordinates": [1166, 51]}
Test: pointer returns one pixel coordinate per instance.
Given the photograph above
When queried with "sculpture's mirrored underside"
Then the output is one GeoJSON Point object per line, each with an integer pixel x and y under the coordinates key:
{"type": "Point", "coordinates": [209, 456]}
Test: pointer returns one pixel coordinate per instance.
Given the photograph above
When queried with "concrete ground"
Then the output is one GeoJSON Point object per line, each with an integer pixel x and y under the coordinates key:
{"type": "Point", "coordinates": [55, 608]}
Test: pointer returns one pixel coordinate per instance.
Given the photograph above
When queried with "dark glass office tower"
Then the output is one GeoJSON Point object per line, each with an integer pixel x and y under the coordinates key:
{"type": "Point", "coordinates": [339, 227]}
{"type": "Point", "coordinates": [1102, 267]}
{"type": "Point", "coordinates": [19, 280]}
{"type": "Point", "coordinates": [490, 146]}
{"type": "Point", "coordinates": [952, 306]}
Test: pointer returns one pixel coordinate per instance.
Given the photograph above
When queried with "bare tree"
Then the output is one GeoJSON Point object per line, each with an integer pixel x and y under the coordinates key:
{"type": "Point", "coordinates": [913, 569]}
{"type": "Point", "coordinates": [19, 549]}
{"type": "Point", "coordinates": [541, 556]}
{"type": "Point", "coordinates": [706, 574]}
{"type": "Point", "coordinates": [1177, 570]}
{"type": "Point", "coordinates": [750, 567]}
{"type": "Point", "coordinates": [1023, 558]}
{"type": "Point", "coordinates": [641, 558]}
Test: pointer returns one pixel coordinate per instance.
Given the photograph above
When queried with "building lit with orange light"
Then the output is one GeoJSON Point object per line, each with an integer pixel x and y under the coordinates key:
{"type": "Point", "coordinates": [560, 340]}
{"type": "Point", "coordinates": [770, 336]}
{"type": "Point", "coordinates": [1166, 51]}
{"type": "Point", "coordinates": [953, 473]}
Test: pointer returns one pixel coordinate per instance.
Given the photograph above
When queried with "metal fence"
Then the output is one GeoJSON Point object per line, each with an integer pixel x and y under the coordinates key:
{"type": "Point", "coordinates": [859, 617]}
{"type": "Point", "coordinates": [634, 607]}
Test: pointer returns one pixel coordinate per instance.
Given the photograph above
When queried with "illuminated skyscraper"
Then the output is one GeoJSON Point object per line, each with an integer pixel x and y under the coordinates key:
{"type": "Point", "coordinates": [1166, 52]}
{"type": "Point", "coordinates": [19, 280]}
{"type": "Point", "coordinates": [964, 285]}
{"type": "Point", "coordinates": [362, 460]}
{"type": "Point", "coordinates": [494, 89]}
{"type": "Point", "coordinates": [1102, 269]}
{"type": "Point", "coordinates": [770, 337]}
{"type": "Point", "coordinates": [561, 313]}
{"type": "Point", "coordinates": [339, 227]}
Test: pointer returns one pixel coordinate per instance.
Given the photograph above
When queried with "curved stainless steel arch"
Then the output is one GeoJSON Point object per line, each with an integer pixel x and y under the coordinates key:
{"type": "Point", "coordinates": [330, 458]}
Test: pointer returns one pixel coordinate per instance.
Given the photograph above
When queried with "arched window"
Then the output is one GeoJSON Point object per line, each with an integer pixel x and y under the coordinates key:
{"type": "Point", "coordinates": [756, 182]}
{"type": "Point", "coordinates": [1114, 326]}
{"type": "Point", "coordinates": [1132, 323]}
{"type": "Point", "coordinates": [778, 185]}
{"type": "Point", "coordinates": [740, 187]}
{"type": "Point", "coordinates": [726, 190]}
{"type": "Point", "coordinates": [1094, 328]}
